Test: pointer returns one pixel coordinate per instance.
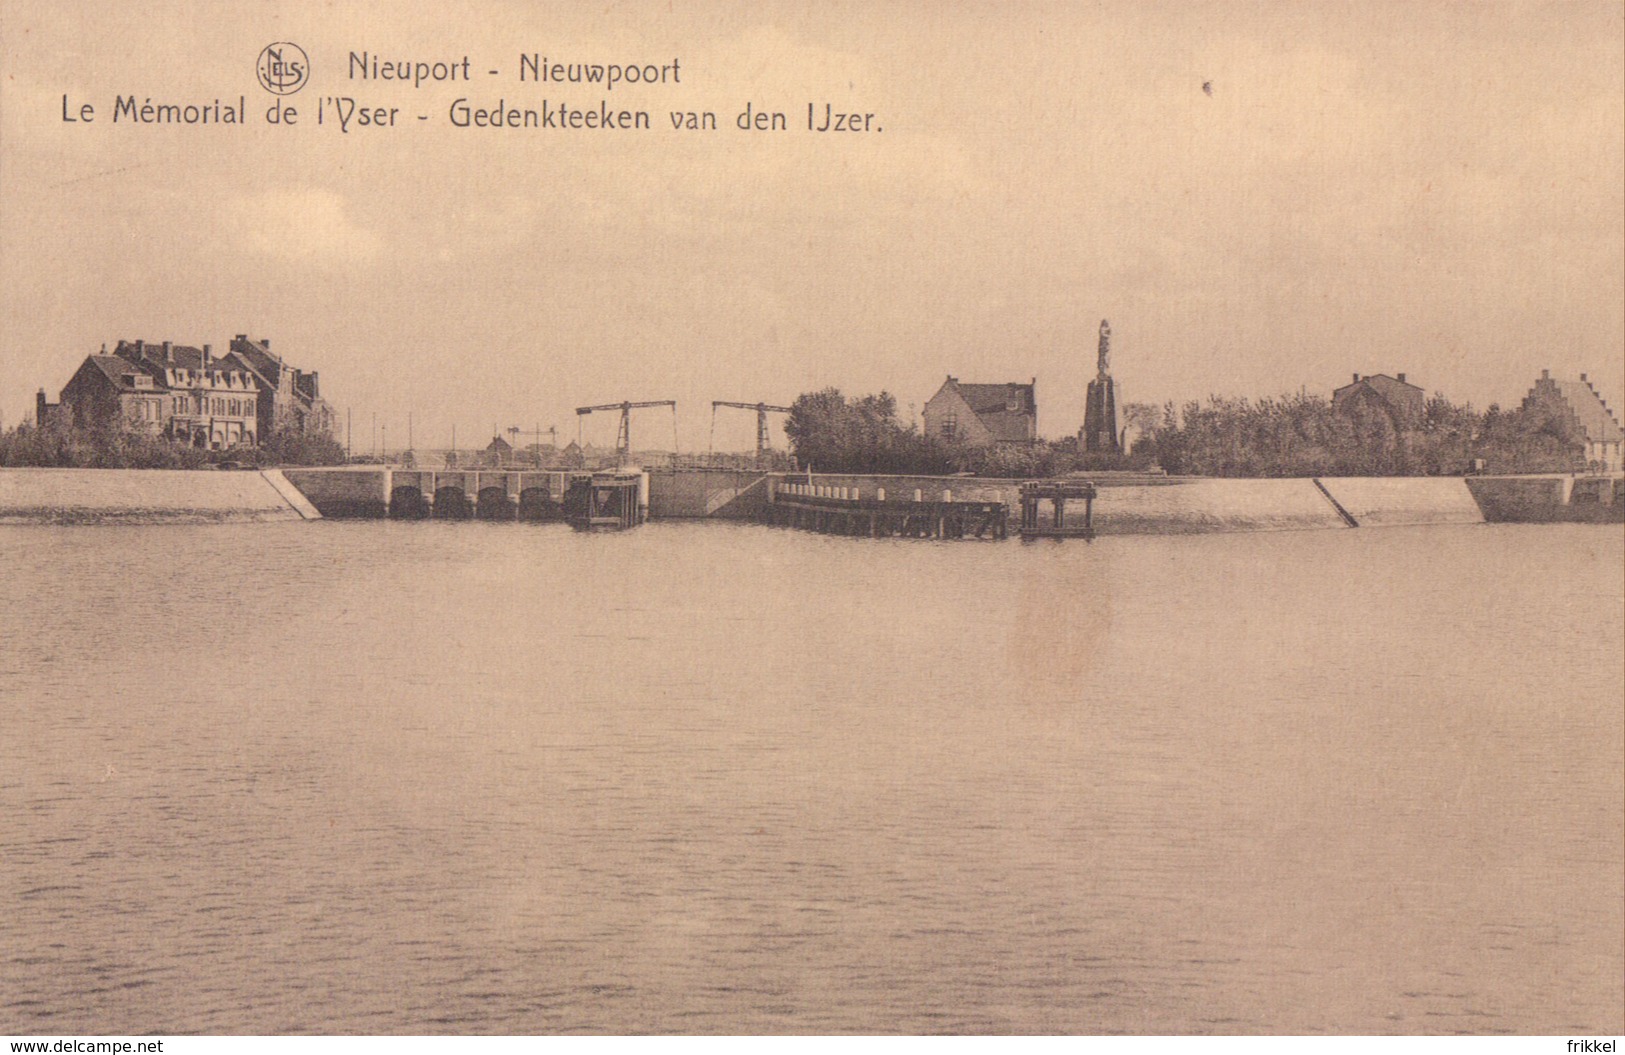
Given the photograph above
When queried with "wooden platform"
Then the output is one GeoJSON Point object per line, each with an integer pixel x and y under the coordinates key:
{"type": "Point", "coordinates": [1057, 493]}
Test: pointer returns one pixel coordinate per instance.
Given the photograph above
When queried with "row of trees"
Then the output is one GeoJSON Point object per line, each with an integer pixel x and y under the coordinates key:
{"type": "Point", "coordinates": [1288, 436]}
{"type": "Point", "coordinates": [1303, 436]}
{"type": "Point", "coordinates": [57, 445]}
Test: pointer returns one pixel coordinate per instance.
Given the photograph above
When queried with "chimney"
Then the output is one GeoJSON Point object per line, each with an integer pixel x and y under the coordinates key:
{"type": "Point", "coordinates": [1356, 377]}
{"type": "Point", "coordinates": [1402, 379]}
{"type": "Point", "coordinates": [169, 351]}
{"type": "Point", "coordinates": [140, 347]}
{"type": "Point", "coordinates": [1583, 378]}
{"type": "Point", "coordinates": [1545, 375]}
{"type": "Point", "coordinates": [208, 350]}
{"type": "Point", "coordinates": [265, 342]}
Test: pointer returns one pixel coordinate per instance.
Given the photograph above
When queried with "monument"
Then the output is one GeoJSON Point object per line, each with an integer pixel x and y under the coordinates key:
{"type": "Point", "coordinates": [1100, 413]}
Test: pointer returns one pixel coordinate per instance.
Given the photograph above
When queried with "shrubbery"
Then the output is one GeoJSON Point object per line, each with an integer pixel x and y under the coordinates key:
{"type": "Point", "coordinates": [67, 447]}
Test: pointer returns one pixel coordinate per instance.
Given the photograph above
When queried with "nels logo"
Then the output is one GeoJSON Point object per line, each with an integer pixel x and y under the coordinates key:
{"type": "Point", "coordinates": [283, 68]}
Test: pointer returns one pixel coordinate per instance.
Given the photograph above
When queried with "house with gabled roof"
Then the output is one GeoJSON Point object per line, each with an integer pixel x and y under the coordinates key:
{"type": "Point", "coordinates": [1582, 415]}
{"type": "Point", "coordinates": [108, 391]}
{"type": "Point", "coordinates": [1400, 401]}
{"type": "Point", "coordinates": [981, 415]}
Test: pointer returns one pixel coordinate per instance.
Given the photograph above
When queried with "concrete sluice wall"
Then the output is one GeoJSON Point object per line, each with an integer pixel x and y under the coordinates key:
{"type": "Point", "coordinates": [1396, 501]}
{"type": "Point", "coordinates": [1582, 499]}
{"type": "Point", "coordinates": [344, 492]}
{"type": "Point", "coordinates": [91, 496]}
{"type": "Point", "coordinates": [729, 494]}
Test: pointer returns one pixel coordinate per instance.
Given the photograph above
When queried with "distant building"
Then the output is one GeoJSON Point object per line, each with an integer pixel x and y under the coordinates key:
{"type": "Point", "coordinates": [1392, 397]}
{"type": "Point", "coordinates": [498, 452]}
{"type": "Point", "coordinates": [1099, 431]}
{"type": "Point", "coordinates": [189, 395]}
{"type": "Point", "coordinates": [1583, 417]}
{"type": "Point", "coordinates": [983, 415]}
{"type": "Point", "coordinates": [572, 457]}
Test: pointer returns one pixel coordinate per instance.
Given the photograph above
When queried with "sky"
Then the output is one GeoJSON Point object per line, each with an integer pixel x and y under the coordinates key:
{"type": "Point", "coordinates": [1263, 198]}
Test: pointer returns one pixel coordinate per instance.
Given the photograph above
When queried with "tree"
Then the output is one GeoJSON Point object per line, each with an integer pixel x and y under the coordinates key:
{"type": "Point", "coordinates": [291, 446]}
{"type": "Point", "coordinates": [831, 433]}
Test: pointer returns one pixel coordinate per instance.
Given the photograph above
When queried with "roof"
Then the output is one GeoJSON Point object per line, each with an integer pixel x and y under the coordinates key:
{"type": "Point", "coordinates": [181, 357]}
{"type": "Point", "coordinates": [116, 370]}
{"type": "Point", "coordinates": [1589, 409]}
{"type": "Point", "coordinates": [992, 406]}
{"type": "Point", "coordinates": [259, 358]}
{"type": "Point", "coordinates": [184, 357]}
{"type": "Point", "coordinates": [1390, 388]}
{"type": "Point", "coordinates": [996, 399]}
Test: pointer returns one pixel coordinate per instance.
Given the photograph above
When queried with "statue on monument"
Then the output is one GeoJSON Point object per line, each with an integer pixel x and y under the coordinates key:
{"type": "Point", "coordinates": [1105, 363]}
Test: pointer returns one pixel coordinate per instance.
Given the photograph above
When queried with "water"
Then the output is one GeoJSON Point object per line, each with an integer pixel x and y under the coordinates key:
{"type": "Point", "coordinates": [374, 777]}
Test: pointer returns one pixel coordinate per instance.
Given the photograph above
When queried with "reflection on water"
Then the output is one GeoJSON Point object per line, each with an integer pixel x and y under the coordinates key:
{"type": "Point", "coordinates": [379, 777]}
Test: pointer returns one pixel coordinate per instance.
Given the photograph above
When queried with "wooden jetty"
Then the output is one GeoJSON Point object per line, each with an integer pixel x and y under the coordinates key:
{"type": "Point", "coordinates": [1057, 493]}
{"type": "Point", "coordinates": [843, 510]}
{"type": "Point", "coordinates": [612, 499]}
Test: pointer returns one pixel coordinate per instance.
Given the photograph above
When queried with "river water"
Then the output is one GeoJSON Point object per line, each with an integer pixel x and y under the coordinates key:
{"type": "Point", "coordinates": [469, 778]}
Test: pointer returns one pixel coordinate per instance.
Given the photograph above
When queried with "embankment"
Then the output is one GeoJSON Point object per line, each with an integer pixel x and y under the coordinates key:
{"type": "Point", "coordinates": [1191, 507]}
{"type": "Point", "coordinates": [1399, 501]}
{"type": "Point", "coordinates": [1126, 505]}
{"type": "Point", "coordinates": [92, 496]}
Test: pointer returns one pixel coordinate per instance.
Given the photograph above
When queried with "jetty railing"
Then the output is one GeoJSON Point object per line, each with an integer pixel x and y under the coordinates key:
{"type": "Point", "coordinates": [846, 510]}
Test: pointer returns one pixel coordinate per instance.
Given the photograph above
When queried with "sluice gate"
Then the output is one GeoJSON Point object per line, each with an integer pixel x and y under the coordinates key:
{"type": "Point", "coordinates": [847, 511]}
{"type": "Point", "coordinates": [615, 498]}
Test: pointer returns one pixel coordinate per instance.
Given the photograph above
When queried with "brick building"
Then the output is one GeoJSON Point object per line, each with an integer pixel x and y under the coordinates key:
{"type": "Point", "coordinates": [189, 395]}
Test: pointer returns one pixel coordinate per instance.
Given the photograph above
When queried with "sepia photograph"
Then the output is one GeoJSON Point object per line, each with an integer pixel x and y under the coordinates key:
{"type": "Point", "coordinates": [780, 518]}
